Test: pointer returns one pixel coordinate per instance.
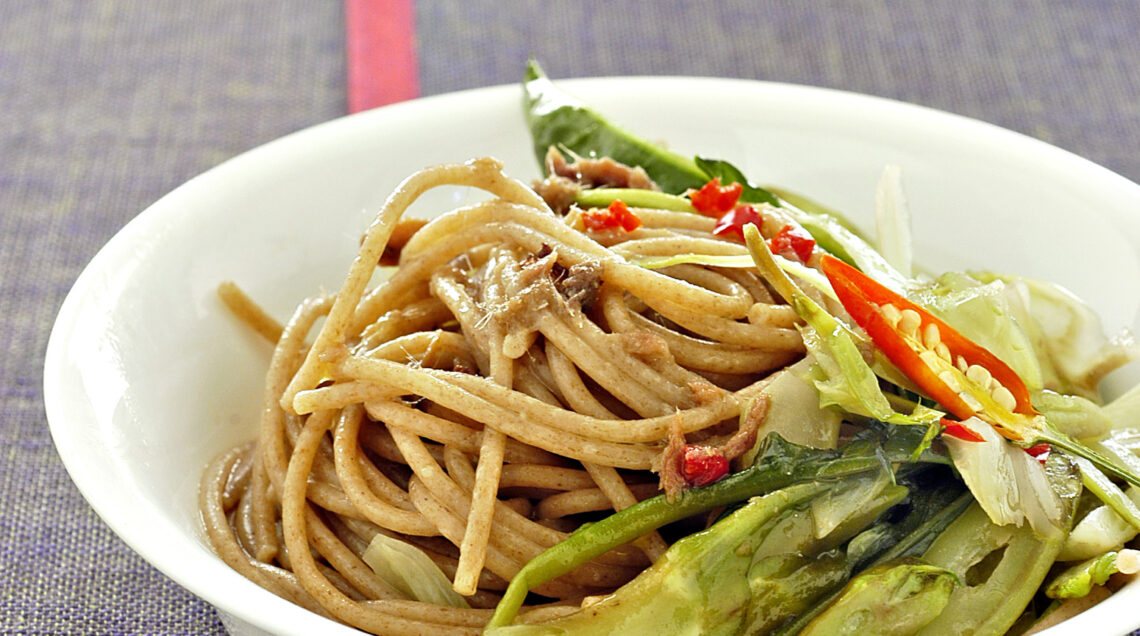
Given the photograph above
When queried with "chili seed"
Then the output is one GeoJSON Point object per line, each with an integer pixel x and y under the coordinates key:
{"type": "Point", "coordinates": [909, 323]}
{"type": "Point", "coordinates": [979, 375]}
{"type": "Point", "coordinates": [949, 379]}
{"type": "Point", "coordinates": [1004, 398]}
{"type": "Point", "coordinates": [931, 338]}
{"type": "Point", "coordinates": [943, 352]}
{"type": "Point", "coordinates": [971, 401]}
{"type": "Point", "coordinates": [891, 313]}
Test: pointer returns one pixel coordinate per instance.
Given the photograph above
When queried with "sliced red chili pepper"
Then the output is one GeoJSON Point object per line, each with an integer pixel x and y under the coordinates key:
{"type": "Point", "coordinates": [863, 298]}
{"type": "Point", "coordinates": [626, 217]}
{"type": "Point", "coordinates": [1040, 452]}
{"type": "Point", "coordinates": [958, 430]}
{"type": "Point", "coordinates": [597, 219]}
{"type": "Point", "coordinates": [795, 240]}
{"type": "Point", "coordinates": [702, 465]}
{"type": "Point", "coordinates": [732, 222]}
{"type": "Point", "coordinates": [616, 215]}
{"type": "Point", "coordinates": [714, 199]}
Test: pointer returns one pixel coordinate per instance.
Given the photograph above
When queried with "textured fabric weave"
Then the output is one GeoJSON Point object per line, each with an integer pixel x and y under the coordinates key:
{"type": "Point", "coordinates": [106, 105]}
{"type": "Point", "coordinates": [1064, 72]}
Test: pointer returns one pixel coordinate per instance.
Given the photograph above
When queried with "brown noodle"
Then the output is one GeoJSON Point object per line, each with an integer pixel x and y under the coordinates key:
{"type": "Point", "coordinates": [512, 377]}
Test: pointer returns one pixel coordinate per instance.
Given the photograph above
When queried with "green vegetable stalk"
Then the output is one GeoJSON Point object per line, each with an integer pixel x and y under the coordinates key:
{"type": "Point", "coordinates": [697, 587]}
{"type": "Point", "coordinates": [891, 599]}
{"type": "Point", "coordinates": [782, 586]}
{"type": "Point", "coordinates": [779, 464]}
{"type": "Point", "coordinates": [1001, 567]}
{"type": "Point", "coordinates": [935, 502]}
{"type": "Point", "coordinates": [633, 197]}
{"type": "Point", "coordinates": [748, 573]}
{"type": "Point", "coordinates": [1079, 580]}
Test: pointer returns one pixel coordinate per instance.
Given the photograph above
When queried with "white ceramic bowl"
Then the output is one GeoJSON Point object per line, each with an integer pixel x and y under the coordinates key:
{"type": "Point", "coordinates": [147, 377]}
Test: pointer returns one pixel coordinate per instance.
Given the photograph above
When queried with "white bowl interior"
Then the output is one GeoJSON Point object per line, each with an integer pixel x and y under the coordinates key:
{"type": "Point", "coordinates": [147, 377]}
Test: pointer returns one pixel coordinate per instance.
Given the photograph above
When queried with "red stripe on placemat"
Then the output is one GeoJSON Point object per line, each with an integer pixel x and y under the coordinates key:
{"type": "Point", "coordinates": [381, 52]}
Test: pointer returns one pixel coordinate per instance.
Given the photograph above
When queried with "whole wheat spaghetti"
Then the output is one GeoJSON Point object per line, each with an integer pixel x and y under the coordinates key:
{"type": "Point", "coordinates": [514, 376]}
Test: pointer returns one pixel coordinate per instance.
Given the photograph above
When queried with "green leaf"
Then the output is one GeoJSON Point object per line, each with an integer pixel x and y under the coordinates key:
{"type": "Point", "coordinates": [559, 120]}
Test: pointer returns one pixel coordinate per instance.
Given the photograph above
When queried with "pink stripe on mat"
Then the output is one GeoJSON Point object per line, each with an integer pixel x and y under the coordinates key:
{"type": "Point", "coordinates": [381, 51]}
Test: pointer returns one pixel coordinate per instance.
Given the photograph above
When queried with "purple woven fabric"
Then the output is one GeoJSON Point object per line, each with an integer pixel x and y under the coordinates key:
{"type": "Point", "coordinates": [1064, 72]}
{"type": "Point", "coordinates": [106, 105]}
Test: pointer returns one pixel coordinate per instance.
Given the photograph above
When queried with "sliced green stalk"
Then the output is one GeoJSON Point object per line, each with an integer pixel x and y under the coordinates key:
{"type": "Point", "coordinates": [1102, 529]}
{"type": "Point", "coordinates": [750, 571]}
{"type": "Point", "coordinates": [890, 600]}
{"type": "Point", "coordinates": [834, 237]}
{"type": "Point", "coordinates": [1108, 492]}
{"type": "Point", "coordinates": [813, 207]}
{"type": "Point", "coordinates": [1001, 567]}
{"type": "Point", "coordinates": [678, 589]}
{"type": "Point", "coordinates": [1112, 447]}
{"type": "Point", "coordinates": [1099, 531]}
{"type": "Point", "coordinates": [1046, 434]}
{"type": "Point", "coordinates": [785, 585]}
{"type": "Point", "coordinates": [929, 519]}
{"type": "Point", "coordinates": [634, 198]}
{"type": "Point", "coordinates": [1079, 580]}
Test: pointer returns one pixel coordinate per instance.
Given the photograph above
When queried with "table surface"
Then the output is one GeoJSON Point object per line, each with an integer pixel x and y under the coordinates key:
{"type": "Point", "coordinates": [106, 105]}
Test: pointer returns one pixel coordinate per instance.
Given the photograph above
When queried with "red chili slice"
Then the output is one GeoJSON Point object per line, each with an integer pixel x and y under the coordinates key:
{"type": "Point", "coordinates": [597, 219]}
{"type": "Point", "coordinates": [795, 240]}
{"type": "Point", "coordinates": [714, 199]}
{"type": "Point", "coordinates": [625, 217]}
{"type": "Point", "coordinates": [732, 223]}
{"type": "Point", "coordinates": [958, 430]}
{"type": "Point", "coordinates": [702, 465]}
{"type": "Point", "coordinates": [863, 297]}
{"type": "Point", "coordinates": [616, 215]}
{"type": "Point", "coordinates": [1040, 452]}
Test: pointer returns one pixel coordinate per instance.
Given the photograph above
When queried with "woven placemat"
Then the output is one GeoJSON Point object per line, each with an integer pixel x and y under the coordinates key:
{"type": "Point", "coordinates": [104, 107]}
